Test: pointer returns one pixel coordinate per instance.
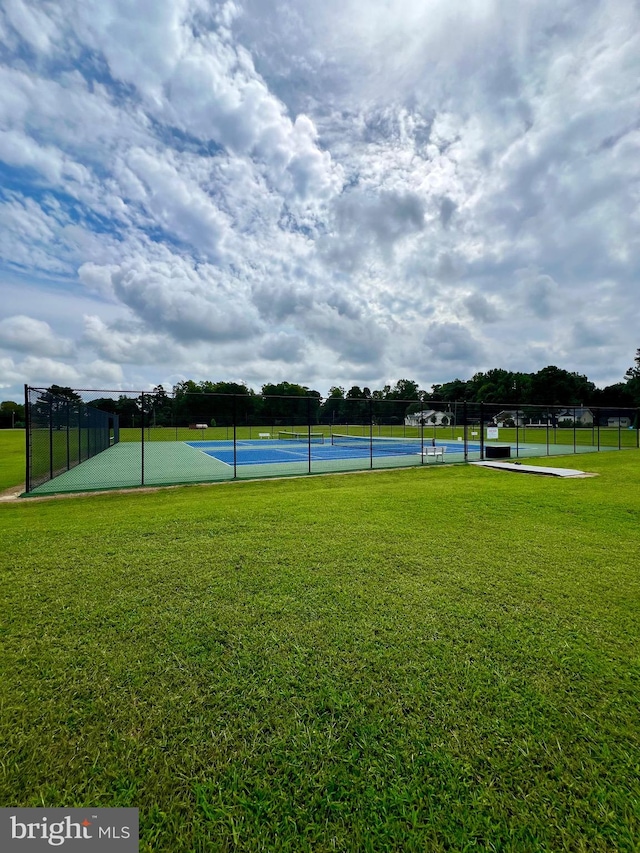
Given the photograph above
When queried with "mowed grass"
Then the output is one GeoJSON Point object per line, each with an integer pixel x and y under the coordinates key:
{"type": "Point", "coordinates": [423, 660]}
{"type": "Point", "coordinates": [12, 458]}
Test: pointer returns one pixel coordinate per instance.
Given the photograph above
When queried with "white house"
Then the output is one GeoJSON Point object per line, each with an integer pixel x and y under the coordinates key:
{"type": "Point", "coordinates": [579, 416]}
{"type": "Point", "coordinates": [430, 418]}
{"type": "Point", "coordinates": [509, 417]}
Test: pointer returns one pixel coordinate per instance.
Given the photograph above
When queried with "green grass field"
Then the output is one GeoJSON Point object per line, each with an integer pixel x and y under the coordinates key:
{"type": "Point", "coordinates": [12, 462]}
{"type": "Point", "coordinates": [441, 659]}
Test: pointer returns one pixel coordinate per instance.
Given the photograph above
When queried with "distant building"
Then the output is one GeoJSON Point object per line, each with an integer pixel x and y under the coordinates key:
{"type": "Point", "coordinates": [509, 417]}
{"type": "Point", "coordinates": [578, 416]}
{"type": "Point", "coordinates": [617, 418]}
{"type": "Point", "coordinates": [623, 421]}
{"type": "Point", "coordinates": [432, 417]}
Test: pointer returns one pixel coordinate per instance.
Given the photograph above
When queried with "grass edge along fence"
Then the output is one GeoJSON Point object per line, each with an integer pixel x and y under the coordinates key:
{"type": "Point", "coordinates": [94, 439]}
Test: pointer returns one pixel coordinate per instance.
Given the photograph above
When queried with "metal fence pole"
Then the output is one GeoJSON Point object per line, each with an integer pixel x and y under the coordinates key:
{"type": "Point", "coordinates": [547, 431]}
{"type": "Point", "coordinates": [235, 436]}
{"type": "Point", "coordinates": [142, 436]}
{"type": "Point", "coordinates": [370, 433]}
{"type": "Point", "coordinates": [51, 437]}
{"type": "Point", "coordinates": [27, 424]}
{"type": "Point", "coordinates": [309, 433]}
{"type": "Point", "coordinates": [464, 431]}
{"type": "Point", "coordinates": [481, 430]}
{"type": "Point", "coordinates": [68, 437]}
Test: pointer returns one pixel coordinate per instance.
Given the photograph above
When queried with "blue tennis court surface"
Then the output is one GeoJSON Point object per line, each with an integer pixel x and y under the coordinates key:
{"type": "Point", "coordinates": [268, 452]}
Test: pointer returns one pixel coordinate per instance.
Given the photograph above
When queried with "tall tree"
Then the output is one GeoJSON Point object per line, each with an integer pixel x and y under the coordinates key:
{"type": "Point", "coordinates": [292, 411]}
{"type": "Point", "coordinates": [11, 414]}
{"type": "Point", "coordinates": [633, 379]}
{"type": "Point", "coordinates": [332, 410]}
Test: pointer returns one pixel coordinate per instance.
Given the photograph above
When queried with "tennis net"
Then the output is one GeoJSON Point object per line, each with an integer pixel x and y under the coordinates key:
{"type": "Point", "coordinates": [380, 444]}
{"type": "Point", "coordinates": [290, 435]}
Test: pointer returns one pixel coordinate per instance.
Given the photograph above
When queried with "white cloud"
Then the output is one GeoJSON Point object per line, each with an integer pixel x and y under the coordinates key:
{"type": "Point", "coordinates": [30, 23]}
{"type": "Point", "coordinates": [177, 203]}
{"type": "Point", "coordinates": [27, 334]}
{"type": "Point", "coordinates": [129, 343]}
{"type": "Point", "coordinates": [10, 376]}
{"type": "Point", "coordinates": [42, 372]}
{"type": "Point", "coordinates": [186, 301]}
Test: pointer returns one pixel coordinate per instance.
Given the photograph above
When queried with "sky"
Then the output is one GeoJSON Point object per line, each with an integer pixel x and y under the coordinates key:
{"type": "Point", "coordinates": [328, 192]}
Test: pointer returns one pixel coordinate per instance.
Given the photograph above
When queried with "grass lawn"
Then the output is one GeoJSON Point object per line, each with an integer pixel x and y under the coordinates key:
{"type": "Point", "coordinates": [12, 464]}
{"type": "Point", "coordinates": [422, 660]}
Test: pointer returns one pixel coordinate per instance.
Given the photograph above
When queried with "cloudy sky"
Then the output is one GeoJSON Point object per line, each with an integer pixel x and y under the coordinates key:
{"type": "Point", "coordinates": [324, 192]}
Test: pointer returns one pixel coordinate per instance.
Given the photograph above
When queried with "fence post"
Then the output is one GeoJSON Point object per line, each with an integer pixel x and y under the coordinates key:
{"type": "Point", "coordinates": [371, 433]}
{"type": "Point", "coordinates": [50, 437]}
{"type": "Point", "coordinates": [235, 448]}
{"type": "Point", "coordinates": [546, 429]}
{"type": "Point", "coordinates": [619, 433]}
{"type": "Point", "coordinates": [68, 437]}
{"type": "Point", "coordinates": [142, 434]}
{"type": "Point", "coordinates": [464, 431]}
{"type": "Point", "coordinates": [309, 433]}
{"type": "Point", "coordinates": [27, 424]}
{"type": "Point", "coordinates": [481, 430]}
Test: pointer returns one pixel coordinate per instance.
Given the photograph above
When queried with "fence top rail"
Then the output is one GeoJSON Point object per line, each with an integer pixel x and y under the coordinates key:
{"type": "Point", "coordinates": [521, 408]}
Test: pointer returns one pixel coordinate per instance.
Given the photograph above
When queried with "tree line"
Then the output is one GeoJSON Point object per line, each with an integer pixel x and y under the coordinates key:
{"type": "Point", "coordinates": [290, 403]}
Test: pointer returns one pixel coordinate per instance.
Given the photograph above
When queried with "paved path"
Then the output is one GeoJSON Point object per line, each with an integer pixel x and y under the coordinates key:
{"type": "Point", "coordinates": [534, 469]}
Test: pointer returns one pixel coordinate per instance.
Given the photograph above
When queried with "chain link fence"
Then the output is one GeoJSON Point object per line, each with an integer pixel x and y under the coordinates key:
{"type": "Point", "coordinates": [85, 440]}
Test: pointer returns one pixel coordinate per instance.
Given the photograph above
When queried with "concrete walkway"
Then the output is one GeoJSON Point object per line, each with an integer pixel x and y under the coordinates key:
{"type": "Point", "coordinates": [534, 469]}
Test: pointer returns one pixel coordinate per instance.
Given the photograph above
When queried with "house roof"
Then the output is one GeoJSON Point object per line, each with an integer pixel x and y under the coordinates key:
{"type": "Point", "coordinates": [576, 412]}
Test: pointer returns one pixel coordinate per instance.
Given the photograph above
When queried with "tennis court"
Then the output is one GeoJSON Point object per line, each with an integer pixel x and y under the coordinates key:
{"type": "Point", "coordinates": [74, 445]}
{"type": "Point", "coordinates": [158, 463]}
{"type": "Point", "coordinates": [336, 447]}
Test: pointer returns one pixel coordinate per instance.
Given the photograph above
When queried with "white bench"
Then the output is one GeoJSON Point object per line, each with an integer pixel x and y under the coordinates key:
{"type": "Point", "coordinates": [264, 435]}
{"type": "Point", "coordinates": [435, 452]}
